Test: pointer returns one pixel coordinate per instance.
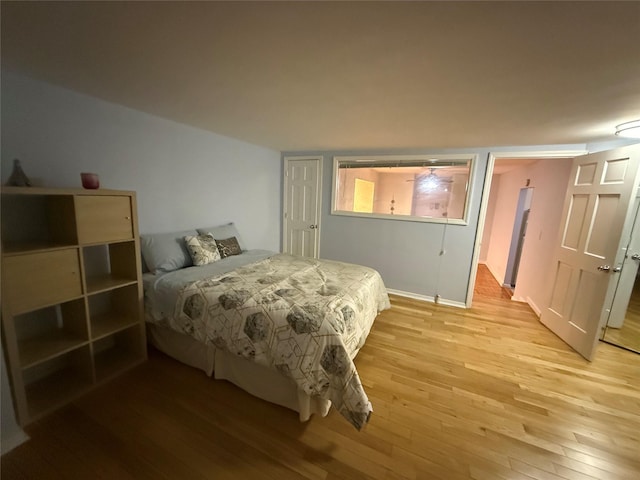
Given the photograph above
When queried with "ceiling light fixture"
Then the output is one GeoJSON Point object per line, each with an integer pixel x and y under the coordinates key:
{"type": "Point", "coordinates": [430, 182]}
{"type": "Point", "coordinates": [629, 129]}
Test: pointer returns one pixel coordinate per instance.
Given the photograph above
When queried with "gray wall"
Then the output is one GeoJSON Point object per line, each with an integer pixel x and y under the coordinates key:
{"type": "Point", "coordinates": [407, 253]}
{"type": "Point", "coordinates": [184, 177]}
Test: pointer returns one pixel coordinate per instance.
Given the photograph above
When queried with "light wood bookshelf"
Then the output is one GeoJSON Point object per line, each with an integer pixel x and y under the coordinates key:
{"type": "Point", "coordinates": [72, 312]}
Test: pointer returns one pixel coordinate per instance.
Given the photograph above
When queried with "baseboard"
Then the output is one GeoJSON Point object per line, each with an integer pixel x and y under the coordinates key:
{"type": "Point", "coordinates": [534, 307]}
{"type": "Point", "coordinates": [16, 439]}
{"type": "Point", "coordinates": [529, 302]}
{"type": "Point", "coordinates": [426, 298]}
{"type": "Point", "coordinates": [495, 275]}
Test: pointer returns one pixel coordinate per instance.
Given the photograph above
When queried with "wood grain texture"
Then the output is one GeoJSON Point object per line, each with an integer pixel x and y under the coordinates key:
{"type": "Point", "coordinates": [52, 354]}
{"type": "Point", "coordinates": [483, 393]}
{"type": "Point", "coordinates": [103, 219]}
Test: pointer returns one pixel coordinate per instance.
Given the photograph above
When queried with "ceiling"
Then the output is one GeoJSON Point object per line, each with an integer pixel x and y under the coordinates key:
{"type": "Point", "coordinates": [296, 76]}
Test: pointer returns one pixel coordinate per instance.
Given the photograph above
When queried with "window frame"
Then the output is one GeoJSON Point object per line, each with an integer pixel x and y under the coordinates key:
{"type": "Point", "coordinates": [400, 159]}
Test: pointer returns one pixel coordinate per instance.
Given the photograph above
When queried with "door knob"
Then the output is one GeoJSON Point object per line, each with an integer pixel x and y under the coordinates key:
{"type": "Point", "coordinates": [635, 256]}
{"type": "Point", "coordinates": [313, 227]}
{"type": "Point", "coordinates": [607, 268]}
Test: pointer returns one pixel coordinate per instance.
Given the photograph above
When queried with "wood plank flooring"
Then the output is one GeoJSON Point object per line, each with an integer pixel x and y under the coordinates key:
{"type": "Point", "coordinates": [484, 393]}
{"type": "Point", "coordinates": [487, 285]}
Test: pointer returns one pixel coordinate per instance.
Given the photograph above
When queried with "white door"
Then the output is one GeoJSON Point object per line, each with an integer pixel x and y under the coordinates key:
{"type": "Point", "coordinates": [596, 207]}
{"type": "Point", "coordinates": [626, 282]}
{"type": "Point", "coordinates": [302, 194]}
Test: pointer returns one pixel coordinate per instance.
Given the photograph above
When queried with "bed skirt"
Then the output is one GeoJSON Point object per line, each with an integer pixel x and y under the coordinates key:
{"type": "Point", "coordinates": [251, 377]}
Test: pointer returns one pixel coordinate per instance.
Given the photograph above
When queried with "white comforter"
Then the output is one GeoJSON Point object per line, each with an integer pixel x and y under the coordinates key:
{"type": "Point", "coordinates": [304, 317]}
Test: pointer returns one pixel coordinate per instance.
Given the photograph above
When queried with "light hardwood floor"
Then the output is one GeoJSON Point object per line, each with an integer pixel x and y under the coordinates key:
{"type": "Point", "coordinates": [484, 393]}
{"type": "Point", "coordinates": [487, 286]}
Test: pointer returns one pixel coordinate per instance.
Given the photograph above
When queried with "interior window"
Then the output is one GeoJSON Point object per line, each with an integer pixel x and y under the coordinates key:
{"type": "Point", "coordinates": [413, 187]}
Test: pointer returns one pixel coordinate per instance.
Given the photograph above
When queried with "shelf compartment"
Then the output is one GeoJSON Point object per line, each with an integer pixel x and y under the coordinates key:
{"type": "Point", "coordinates": [107, 282]}
{"type": "Point", "coordinates": [32, 276]}
{"type": "Point", "coordinates": [115, 353]}
{"type": "Point", "coordinates": [113, 310]}
{"type": "Point", "coordinates": [11, 249]}
{"type": "Point", "coordinates": [51, 331]}
{"type": "Point", "coordinates": [51, 222]}
{"type": "Point", "coordinates": [106, 324]}
{"type": "Point", "coordinates": [104, 218]}
{"type": "Point", "coordinates": [58, 381]}
{"type": "Point", "coordinates": [110, 266]}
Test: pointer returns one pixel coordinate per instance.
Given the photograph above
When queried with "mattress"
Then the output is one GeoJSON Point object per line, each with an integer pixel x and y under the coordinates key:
{"type": "Point", "coordinates": [257, 380]}
{"type": "Point", "coordinates": [300, 318]}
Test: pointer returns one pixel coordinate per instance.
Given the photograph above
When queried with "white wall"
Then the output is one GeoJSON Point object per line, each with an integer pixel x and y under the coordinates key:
{"type": "Point", "coordinates": [489, 217]}
{"type": "Point", "coordinates": [184, 177]}
{"type": "Point", "coordinates": [549, 178]}
{"type": "Point", "coordinates": [503, 217]}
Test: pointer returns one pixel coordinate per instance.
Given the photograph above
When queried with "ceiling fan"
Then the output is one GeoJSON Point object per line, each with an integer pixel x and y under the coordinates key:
{"type": "Point", "coordinates": [430, 181]}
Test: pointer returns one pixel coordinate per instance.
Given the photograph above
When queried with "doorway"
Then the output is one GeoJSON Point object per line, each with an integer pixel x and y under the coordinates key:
{"type": "Point", "coordinates": [599, 195]}
{"type": "Point", "coordinates": [517, 239]}
{"type": "Point", "coordinates": [511, 177]}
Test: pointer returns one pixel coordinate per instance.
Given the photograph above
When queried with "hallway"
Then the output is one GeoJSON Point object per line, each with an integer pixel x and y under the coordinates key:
{"type": "Point", "coordinates": [487, 286]}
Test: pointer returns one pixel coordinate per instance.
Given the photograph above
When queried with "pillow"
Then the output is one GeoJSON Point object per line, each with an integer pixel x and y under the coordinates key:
{"type": "Point", "coordinates": [202, 248]}
{"type": "Point", "coordinates": [165, 252]}
{"type": "Point", "coordinates": [228, 247]}
{"type": "Point", "coordinates": [223, 231]}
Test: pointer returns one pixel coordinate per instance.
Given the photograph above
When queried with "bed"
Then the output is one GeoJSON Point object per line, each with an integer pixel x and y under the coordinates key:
{"type": "Point", "coordinates": [283, 328]}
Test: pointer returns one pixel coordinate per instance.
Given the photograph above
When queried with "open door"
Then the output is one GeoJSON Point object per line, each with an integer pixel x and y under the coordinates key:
{"type": "Point", "coordinates": [598, 202]}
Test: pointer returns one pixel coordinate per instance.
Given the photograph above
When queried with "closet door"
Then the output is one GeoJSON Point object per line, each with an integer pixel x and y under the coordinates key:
{"type": "Point", "coordinates": [302, 190]}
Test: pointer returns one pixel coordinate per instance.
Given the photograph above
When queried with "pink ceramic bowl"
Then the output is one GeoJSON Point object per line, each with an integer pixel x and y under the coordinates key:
{"type": "Point", "coordinates": [90, 180]}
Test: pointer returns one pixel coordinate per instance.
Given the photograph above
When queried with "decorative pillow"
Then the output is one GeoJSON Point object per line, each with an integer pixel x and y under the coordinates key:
{"type": "Point", "coordinates": [228, 247]}
{"type": "Point", "coordinates": [202, 248]}
{"type": "Point", "coordinates": [223, 231]}
{"type": "Point", "coordinates": [165, 252]}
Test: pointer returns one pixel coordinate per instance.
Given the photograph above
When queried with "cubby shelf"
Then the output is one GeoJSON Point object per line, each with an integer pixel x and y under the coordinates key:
{"type": "Point", "coordinates": [114, 361]}
{"type": "Point", "coordinates": [107, 282]}
{"type": "Point", "coordinates": [40, 349]}
{"type": "Point", "coordinates": [109, 323]}
{"type": "Point", "coordinates": [10, 249]}
{"type": "Point", "coordinates": [55, 390]}
{"type": "Point", "coordinates": [71, 290]}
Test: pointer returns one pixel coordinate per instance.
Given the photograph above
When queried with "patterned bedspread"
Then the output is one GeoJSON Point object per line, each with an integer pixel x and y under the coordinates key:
{"type": "Point", "coordinates": [305, 317]}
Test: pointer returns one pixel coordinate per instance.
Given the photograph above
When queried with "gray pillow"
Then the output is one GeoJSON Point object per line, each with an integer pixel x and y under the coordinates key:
{"type": "Point", "coordinates": [222, 232]}
{"type": "Point", "coordinates": [165, 252]}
